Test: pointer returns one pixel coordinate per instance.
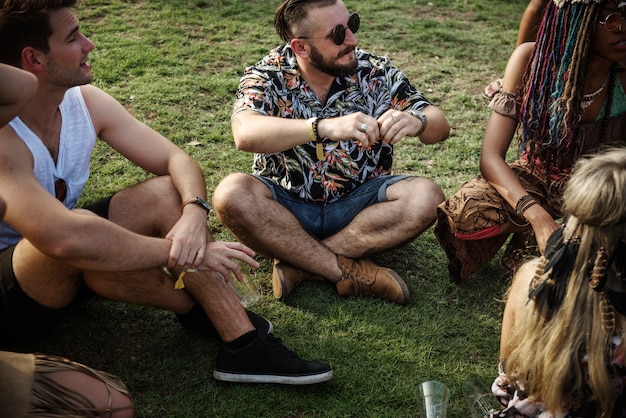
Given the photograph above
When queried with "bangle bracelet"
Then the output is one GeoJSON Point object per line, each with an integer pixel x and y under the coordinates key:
{"type": "Point", "coordinates": [524, 203]}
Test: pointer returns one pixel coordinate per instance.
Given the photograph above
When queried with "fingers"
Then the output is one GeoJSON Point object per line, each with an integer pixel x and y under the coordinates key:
{"type": "Point", "coordinates": [366, 131]}
{"type": "Point", "coordinates": [390, 128]}
{"type": "Point", "coordinates": [393, 126]}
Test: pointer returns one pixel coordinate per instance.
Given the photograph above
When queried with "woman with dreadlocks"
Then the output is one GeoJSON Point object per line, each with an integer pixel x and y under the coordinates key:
{"type": "Point", "coordinates": [563, 330]}
{"type": "Point", "coordinates": [565, 92]}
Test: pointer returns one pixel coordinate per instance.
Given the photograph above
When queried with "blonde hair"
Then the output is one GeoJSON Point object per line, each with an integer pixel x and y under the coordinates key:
{"type": "Point", "coordinates": [556, 333]}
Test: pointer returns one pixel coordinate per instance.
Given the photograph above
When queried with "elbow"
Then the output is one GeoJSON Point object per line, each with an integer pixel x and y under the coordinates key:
{"type": "Point", "coordinates": [484, 166]}
{"type": "Point", "coordinates": [62, 249]}
{"type": "Point", "coordinates": [438, 127]}
{"type": "Point", "coordinates": [65, 243]}
{"type": "Point", "coordinates": [243, 143]}
{"type": "Point", "coordinates": [440, 133]}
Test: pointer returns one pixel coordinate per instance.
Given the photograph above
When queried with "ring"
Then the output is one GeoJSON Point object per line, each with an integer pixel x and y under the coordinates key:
{"type": "Point", "coordinates": [394, 118]}
{"type": "Point", "coordinates": [364, 127]}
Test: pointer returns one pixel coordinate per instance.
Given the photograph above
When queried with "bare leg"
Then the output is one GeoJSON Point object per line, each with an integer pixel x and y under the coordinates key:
{"type": "Point", "coordinates": [410, 209]}
{"type": "Point", "coordinates": [245, 205]}
{"type": "Point", "coordinates": [54, 284]}
{"type": "Point", "coordinates": [96, 392]}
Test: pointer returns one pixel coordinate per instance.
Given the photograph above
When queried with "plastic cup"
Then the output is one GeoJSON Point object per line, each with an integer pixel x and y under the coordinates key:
{"type": "Point", "coordinates": [481, 401]}
{"type": "Point", "coordinates": [246, 290]}
{"type": "Point", "coordinates": [432, 399]}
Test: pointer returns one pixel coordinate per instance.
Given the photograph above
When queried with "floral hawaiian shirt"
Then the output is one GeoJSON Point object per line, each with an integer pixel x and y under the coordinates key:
{"type": "Point", "coordinates": [273, 87]}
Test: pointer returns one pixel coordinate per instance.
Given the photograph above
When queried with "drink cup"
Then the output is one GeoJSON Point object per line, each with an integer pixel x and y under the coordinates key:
{"type": "Point", "coordinates": [432, 399]}
{"type": "Point", "coordinates": [246, 290]}
{"type": "Point", "coordinates": [481, 401]}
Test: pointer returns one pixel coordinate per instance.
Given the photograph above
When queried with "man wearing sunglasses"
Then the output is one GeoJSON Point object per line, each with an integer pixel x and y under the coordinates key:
{"type": "Point", "coordinates": [322, 117]}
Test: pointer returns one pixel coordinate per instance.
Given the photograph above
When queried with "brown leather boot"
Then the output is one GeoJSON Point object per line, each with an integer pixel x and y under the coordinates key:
{"type": "Point", "coordinates": [363, 277]}
{"type": "Point", "coordinates": [285, 278]}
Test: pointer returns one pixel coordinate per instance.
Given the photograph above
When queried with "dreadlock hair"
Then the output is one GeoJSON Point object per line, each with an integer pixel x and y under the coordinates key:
{"type": "Point", "coordinates": [291, 14]}
{"type": "Point", "coordinates": [554, 81]}
{"type": "Point", "coordinates": [26, 23]}
{"type": "Point", "coordinates": [561, 353]}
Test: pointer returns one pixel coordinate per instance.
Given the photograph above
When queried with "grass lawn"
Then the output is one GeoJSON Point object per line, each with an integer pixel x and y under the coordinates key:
{"type": "Point", "coordinates": [175, 64]}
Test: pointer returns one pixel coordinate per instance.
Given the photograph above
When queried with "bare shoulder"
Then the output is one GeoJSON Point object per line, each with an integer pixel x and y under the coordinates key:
{"type": "Point", "coordinates": [523, 52]}
{"type": "Point", "coordinates": [516, 66]}
{"type": "Point", "coordinates": [14, 154]}
{"type": "Point", "coordinates": [104, 109]}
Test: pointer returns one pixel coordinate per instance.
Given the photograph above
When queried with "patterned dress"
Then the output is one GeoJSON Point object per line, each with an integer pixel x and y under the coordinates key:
{"type": "Point", "coordinates": [470, 222]}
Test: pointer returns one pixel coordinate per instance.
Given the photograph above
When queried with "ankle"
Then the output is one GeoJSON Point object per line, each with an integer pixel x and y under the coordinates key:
{"type": "Point", "coordinates": [242, 340]}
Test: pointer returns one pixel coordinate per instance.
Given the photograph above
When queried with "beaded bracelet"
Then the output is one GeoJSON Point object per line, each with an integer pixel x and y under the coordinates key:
{"type": "Point", "coordinates": [524, 203]}
{"type": "Point", "coordinates": [314, 135]}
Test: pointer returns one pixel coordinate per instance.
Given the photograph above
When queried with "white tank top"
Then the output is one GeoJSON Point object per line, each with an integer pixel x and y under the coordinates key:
{"type": "Point", "coordinates": [76, 143]}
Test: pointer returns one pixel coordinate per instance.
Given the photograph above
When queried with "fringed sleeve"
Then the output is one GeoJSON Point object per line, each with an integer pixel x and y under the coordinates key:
{"type": "Point", "coordinates": [506, 104]}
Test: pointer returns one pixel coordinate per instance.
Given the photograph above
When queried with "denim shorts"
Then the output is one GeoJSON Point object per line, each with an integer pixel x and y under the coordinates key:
{"type": "Point", "coordinates": [323, 220]}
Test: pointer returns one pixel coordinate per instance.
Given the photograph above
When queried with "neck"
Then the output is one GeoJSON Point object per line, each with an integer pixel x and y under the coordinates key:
{"type": "Point", "coordinates": [43, 108]}
{"type": "Point", "coordinates": [43, 117]}
{"type": "Point", "coordinates": [598, 70]}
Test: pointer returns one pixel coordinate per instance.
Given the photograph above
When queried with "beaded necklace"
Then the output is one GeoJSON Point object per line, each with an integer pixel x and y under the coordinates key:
{"type": "Point", "coordinates": [587, 99]}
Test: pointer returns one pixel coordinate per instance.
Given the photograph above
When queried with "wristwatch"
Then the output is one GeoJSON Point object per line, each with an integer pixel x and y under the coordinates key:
{"type": "Point", "coordinates": [198, 201]}
{"type": "Point", "coordinates": [422, 117]}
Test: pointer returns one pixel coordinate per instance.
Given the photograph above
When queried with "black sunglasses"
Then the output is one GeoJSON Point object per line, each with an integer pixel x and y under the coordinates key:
{"type": "Point", "coordinates": [338, 35]}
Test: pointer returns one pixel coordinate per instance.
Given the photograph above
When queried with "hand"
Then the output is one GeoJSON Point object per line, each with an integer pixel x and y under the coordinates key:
{"type": "Point", "coordinates": [353, 127]}
{"type": "Point", "coordinates": [189, 240]}
{"type": "Point", "coordinates": [542, 223]}
{"type": "Point", "coordinates": [219, 258]}
{"type": "Point", "coordinates": [395, 125]}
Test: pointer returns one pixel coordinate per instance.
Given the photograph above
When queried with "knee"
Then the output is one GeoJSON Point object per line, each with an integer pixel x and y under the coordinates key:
{"type": "Point", "coordinates": [428, 195]}
{"type": "Point", "coordinates": [422, 196]}
{"type": "Point", "coordinates": [230, 194]}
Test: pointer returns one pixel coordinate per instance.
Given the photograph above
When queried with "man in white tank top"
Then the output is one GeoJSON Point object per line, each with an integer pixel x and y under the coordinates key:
{"type": "Point", "coordinates": [52, 253]}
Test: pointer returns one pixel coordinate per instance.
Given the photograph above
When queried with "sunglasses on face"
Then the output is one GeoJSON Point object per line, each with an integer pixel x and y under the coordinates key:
{"type": "Point", "coordinates": [338, 35]}
{"type": "Point", "coordinates": [613, 21]}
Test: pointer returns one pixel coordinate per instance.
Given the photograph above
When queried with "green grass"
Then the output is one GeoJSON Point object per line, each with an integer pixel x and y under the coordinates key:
{"type": "Point", "coordinates": [175, 64]}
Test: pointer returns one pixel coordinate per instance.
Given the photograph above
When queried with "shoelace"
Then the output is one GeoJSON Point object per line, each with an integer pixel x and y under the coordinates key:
{"type": "Point", "coordinates": [279, 343]}
{"type": "Point", "coordinates": [362, 285]}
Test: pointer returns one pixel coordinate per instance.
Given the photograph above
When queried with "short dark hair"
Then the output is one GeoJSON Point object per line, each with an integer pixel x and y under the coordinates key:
{"type": "Point", "coordinates": [293, 12]}
{"type": "Point", "coordinates": [26, 23]}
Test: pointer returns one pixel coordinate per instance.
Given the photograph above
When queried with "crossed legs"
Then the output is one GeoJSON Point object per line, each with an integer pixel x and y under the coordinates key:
{"type": "Point", "coordinates": [246, 206]}
{"type": "Point", "coordinates": [148, 208]}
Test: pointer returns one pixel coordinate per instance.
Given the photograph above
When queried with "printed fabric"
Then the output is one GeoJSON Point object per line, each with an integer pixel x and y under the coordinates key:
{"type": "Point", "coordinates": [520, 405]}
{"type": "Point", "coordinates": [274, 87]}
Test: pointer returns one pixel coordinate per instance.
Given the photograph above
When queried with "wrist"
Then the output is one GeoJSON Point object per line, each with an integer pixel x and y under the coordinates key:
{"type": "Point", "coordinates": [523, 204]}
{"type": "Point", "coordinates": [422, 118]}
{"type": "Point", "coordinates": [198, 202]}
{"type": "Point", "coordinates": [314, 136]}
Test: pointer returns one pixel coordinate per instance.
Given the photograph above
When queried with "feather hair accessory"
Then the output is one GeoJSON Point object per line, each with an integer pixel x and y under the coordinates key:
{"type": "Point", "coordinates": [560, 255]}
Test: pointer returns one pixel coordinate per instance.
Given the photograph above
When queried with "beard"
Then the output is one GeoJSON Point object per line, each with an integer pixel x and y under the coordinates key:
{"type": "Point", "coordinates": [336, 70]}
{"type": "Point", "coordinates": [68, 78]}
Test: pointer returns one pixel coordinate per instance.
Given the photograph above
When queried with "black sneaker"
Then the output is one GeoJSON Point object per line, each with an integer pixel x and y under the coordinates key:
{"type": "Point", "coordinates": [267, 360]}
{"type": "Point", "coordinates": [197, 321]}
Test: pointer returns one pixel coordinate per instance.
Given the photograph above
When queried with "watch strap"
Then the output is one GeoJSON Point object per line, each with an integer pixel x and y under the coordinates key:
{"type": "Point", "coordinates": [198, 201]}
